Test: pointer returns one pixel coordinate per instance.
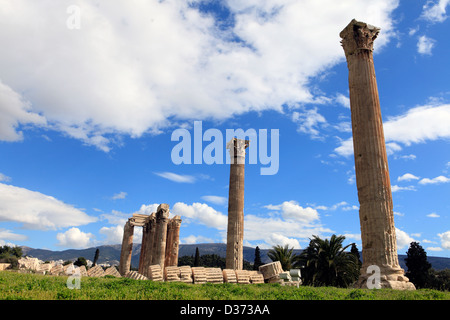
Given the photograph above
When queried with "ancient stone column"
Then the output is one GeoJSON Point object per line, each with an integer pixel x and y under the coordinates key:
{"type": "Point", "coordinates": [379, 244]}
{"type": "Point", "coordinates": [145, 245]}
{"type": "Point", "coordinates": [174, 243]}
{"type": "Point", "coordinates": [168, 243]}
{"type": "Point", "coordinates": [127, 248]}
{"type": "Point", "coordinates": [150, 229]}
{"type": "Point", "coordinates": [235, 231]}
{"type": "Point", "coordinates": [162, 218]}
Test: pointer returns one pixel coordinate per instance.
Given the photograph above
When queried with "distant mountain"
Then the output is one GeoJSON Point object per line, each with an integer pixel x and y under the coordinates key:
{"type": "Point", "coordinates": [111, 254]}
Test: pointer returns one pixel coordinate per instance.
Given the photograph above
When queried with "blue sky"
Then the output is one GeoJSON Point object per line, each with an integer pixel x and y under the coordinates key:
{"type": "Point", "coordinates": [90, 94]}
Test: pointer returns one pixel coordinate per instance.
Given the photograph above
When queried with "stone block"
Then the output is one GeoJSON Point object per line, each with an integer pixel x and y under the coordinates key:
{"type": "Point", "coordinates": [271, 269]}
{"type": "Point", "coordinates": [96, 271]}
{"type": "Point", "coordinates": [229, 276]}
{"type": "Point", "coordinates": [155, 273]}
{"type": "Point", "coordinates": [112, 271]}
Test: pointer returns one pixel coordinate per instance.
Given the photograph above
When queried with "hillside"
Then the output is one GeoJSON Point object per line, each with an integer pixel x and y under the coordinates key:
{"type": "Point", "coordinates": [111, 254]}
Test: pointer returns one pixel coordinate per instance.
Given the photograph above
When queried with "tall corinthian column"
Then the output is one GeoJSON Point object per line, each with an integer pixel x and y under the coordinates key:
{"type": "Point", "coordinates": [379, 244]}
{"type": "Point", "coordinates": [127, 248]}
{"type": "Point", "coordinates": [235, 232]}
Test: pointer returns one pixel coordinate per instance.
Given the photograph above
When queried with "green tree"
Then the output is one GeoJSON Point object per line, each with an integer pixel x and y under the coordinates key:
{"type": "Point", "coordinates": [97, 253]}
{"type": "Point", "coordinates": [355, 251]}
{"type": "Point", "coordinates": [197, 258]}
{"type": "Point", "coordinates": [257, 261]}
{"type": "Point", "coordinates": [419, 269]}
{"type": "Point", "coordinates": [81, 261]}
{"type": "Point", "coordinates": [283, 254]}
{"type": "Point", "coordinates": [326, 263]}
{"type": "Point", "coordinates": [11, 255]}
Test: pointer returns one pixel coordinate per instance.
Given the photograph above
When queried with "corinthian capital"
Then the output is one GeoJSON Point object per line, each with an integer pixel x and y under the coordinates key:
{"type": "Point", "coordinates": [358, 36]}
{"type": "Point", "coordinates": [237, 147]}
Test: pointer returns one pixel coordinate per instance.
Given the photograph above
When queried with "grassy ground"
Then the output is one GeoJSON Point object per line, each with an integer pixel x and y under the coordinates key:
{"type": "Point", "coordinates": [39, 287]}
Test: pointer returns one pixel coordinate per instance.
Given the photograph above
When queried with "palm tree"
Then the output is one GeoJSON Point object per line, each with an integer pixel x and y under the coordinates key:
{"type": "Point", "coordinates": [326, 263]}
{"type": "Point", "coordinates": [284, 255]}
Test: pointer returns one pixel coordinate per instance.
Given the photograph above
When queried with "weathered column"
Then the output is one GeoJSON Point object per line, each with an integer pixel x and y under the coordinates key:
{"type": "Point", "coordinates": [173, 243]}
{"type": "Point", "coordinates": [147, 244]}
{"type": "Point", "coordinates": [143, 254]}
{"type": "Point", "coordinates": [379, 244]}
{"type": "Point", "coordinates": [162, 218]}
{"type": "Point", "coordinates": [127, 248]}
{"type": "Point", "coordinates": [235, 231]}
{"type": "Point", "coordinates": [168, 243]}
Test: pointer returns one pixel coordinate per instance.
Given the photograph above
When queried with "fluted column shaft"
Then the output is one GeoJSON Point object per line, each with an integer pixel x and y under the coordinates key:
{"type": "Point", "coordinates": [235, 231]}
{"type": "Point", "coordinates": [127, 248]}
{"type": "Point", "coordinates": [162, 218]}
{"type": "Point", "coordinates": [379, 244]}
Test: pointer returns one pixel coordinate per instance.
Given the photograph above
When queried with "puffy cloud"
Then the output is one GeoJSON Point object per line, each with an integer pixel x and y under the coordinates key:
{"type": "Point", "coordinates": [435, 11]}
{"type": "Point", "coordinates": [445, 239]}
{"type": "Point", "coordinates": [14, 111]}
{"type": "Point", "coordinates": [272, 229]}
{"type": "Point", "coordinates": [396, 188]}
{"type": "Point", "coordinates": [403, 239]}
{"type": "Point", "coordinates": [74, 238]}
{"type": "Point", "coordinates": [439, 179]}
{"type": "Point", "coordinates": [292, 210]}
{"type": "Point", "coordinates": [196, 239]}
{"type": "Point", "coordinates": [425, 45]}
{"type": "Point", "coordinates": [417, 125]}
{"type": "Point", "coordinates": [38, 211]}
{"type": "Point", "coordinates": [113, 234]}
{"type": "Point", "coordinates": [407, 177]}
{"type": "Point", "coordinates": [202, 213]}
{"type": "Point", "coordinates": [278, 239]}
{"type": "Point", "coordinates": [133, 69]}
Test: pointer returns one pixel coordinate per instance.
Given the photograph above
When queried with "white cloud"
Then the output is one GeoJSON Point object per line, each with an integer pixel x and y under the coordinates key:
{"type": "Point", "coordinates": [192, 239]}
{"type": "Point", "coordinates": [201, 213]}
{"type": "Point", "coordinates": [406, 157]}
{"type": "Point", "coordinates": [396, 188]}
{"type": "Point", "coordinates": [174, 63]}
{"type": "Point", "coordinates": [425, 45]}
{"type": "Point", "coordinates": [74, 238]}
{"type": "Point", "coordinates": [434, 249]}
{"type": "Point", "coordinates": [435, 11]}
{"type": "Point", "coordinates": [407, 177]}
{"type": "Point", "coordinates": [15, 111]}
{"type": "Point", "coordinates": [278, 239]}
{"type": "Point", "coordinates": [309, 122]}
{"type": "Point", "coordinates": [417, 125]}
{"type": "Point", "coordinates": [9, 235]}
{"type": "Point", "coordinates": [257, 228]}
{"type": "Point", "coordinates": [445, 239]}
{"type": "Point", "coordinates": [215, 199]}
{"type": "Point", "coordinates": [433, 215]}
{"type": "Point", "coordinates": [439, 179]}
{"type": "Point", "coordinates": [176, 177]}
{"type": "Point", "coordinates": [292, 210]}
{"type": "Point", "coordinates": [114, 234]}
{"type": "Point", "coordinates": [4, 178]}
{"type": "Point", "coordinates": [38, 211]}
{"type": "Point", "coordinates": [120, 195]}
{"type": "Point", "coordinates": [343, 100]}
{"type": "Point", "coordinates": [403, 239]}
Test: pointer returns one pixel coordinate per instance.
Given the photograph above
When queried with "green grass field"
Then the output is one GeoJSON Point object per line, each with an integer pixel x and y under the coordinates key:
{"type": "Point", "coordinates": [15, 286]}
